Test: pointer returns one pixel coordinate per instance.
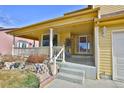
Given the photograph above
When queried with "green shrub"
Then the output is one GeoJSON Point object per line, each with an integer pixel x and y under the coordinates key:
{"type": "Point", "coordinates": [18, 79]}
{"type": "Point", "coordinates": [31, 81]}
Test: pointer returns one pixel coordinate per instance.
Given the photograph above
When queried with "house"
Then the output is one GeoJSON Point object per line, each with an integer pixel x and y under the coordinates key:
{"type": "Point", "coordinates": [6, 41]}
{"type": "Point", "coordinates": [95, 35]}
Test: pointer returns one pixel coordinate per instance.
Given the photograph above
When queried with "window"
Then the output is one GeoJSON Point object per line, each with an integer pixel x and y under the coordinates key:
{"type": "Point", "coordinates": [46, 40]}
{"type": "Point", "coordinates": [83, 44]}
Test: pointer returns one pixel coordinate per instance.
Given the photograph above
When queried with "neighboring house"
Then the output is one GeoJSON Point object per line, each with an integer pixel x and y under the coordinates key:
{"type": "Point", "coordinates": [95, 33]}
{"type": "Point", "coordinates": [6, 41]}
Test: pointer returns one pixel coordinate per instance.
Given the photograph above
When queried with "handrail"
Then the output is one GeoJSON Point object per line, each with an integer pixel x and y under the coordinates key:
{"type": "Point", "coordinates": [62, 51]}
{"type": "Point", "coordinates": [59, 53]}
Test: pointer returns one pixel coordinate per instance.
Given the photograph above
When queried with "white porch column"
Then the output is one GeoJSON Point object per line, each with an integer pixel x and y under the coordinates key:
{"type": "Point", "coordinates": [51, 44]}
{"type": "Point", "coordinates": [13, 45]}
{"type": "Point", "coordinates": [51, 52]}
{"type": "Point", "coordinates": [96, 35]}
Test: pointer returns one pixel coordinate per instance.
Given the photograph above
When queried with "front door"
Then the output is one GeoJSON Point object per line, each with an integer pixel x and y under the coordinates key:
{"type": "Point", "coordinates": [83, 44]}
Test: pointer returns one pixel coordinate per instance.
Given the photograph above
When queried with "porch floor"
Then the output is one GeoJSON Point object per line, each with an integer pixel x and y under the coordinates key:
{"type": "Point", "coordinates": [85, 60]}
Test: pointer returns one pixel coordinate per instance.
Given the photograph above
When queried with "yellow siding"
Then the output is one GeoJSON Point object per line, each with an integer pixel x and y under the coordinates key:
{"type": "Point", "coordinates": [105, 44]}
{"type": "Point", "coordinates": [106, 9]}
{"type": "Point", "coordinates": [62, 37]}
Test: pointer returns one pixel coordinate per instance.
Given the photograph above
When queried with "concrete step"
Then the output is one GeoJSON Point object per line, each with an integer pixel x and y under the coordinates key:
{"type": "Point", "coordinates": [90, 71]}
{"type": "Point", "coordinates": [72, 71]}
{"type": "Point", "coordinates": [70, 78]}
{"type": "Point", "coordinates": [75, 66]}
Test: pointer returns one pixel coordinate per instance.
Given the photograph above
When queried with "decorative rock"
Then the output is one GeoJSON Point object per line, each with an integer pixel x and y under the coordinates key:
{"type": "Point", "coordinates": [30, 67]}
{"type": "Point", "coordinates": [9, 65]}
{"type": "Point", "coordinates": [51, 68]}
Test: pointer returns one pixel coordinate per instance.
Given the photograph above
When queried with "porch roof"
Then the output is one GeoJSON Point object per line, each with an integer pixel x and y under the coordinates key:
{"type": "Point", "coordinates": [34, 31]}
{"type": "Point", "coordinates": [111, 20]}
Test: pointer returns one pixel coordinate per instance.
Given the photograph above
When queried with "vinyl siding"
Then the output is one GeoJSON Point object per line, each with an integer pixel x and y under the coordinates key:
{"type": "Point", "coordinates": [105, 44]}
{"type": "Point", "coordinates": [106, 9]}
{"type": "Point", "coordinates": [63, 37]}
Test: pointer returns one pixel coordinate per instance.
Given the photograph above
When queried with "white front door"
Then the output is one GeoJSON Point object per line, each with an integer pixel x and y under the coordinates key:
{"type": "Point", "coordinates": [83, 44]}
{"type": "Point", "coordinates": [118, 55]}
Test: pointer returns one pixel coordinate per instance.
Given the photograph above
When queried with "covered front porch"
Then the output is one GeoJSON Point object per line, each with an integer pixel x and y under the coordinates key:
{"type": "Point", "coordinates": [70, 38]}
{"type": "Point", "coordinates": [73, 42]}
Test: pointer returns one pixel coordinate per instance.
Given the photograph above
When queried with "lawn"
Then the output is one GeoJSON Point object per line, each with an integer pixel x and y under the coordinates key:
{"type": "Point", "coordinates": [18, 79]}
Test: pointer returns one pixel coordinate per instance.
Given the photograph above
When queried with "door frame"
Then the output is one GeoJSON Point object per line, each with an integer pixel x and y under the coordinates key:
{"type": "Point", "coordinates": [79, 42]}
{"type": "Point", "coordinates": [114, 64]}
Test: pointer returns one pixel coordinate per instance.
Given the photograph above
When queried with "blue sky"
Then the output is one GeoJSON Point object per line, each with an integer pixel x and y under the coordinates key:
{"type": "Point", "coordinates": [18, 16]}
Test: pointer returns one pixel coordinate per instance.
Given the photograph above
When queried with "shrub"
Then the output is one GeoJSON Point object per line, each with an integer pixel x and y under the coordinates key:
{"type": "Point", "coordinates": [18, 79]}
{"type": "Point", "coordinates": [10, 58]}
{"type": "Point", "coordinates": [1, 65]}
{"type": "Point", "coordinates": [7, 58]}
{"type": "Point", "coordinates": [31, 81]}
{"type": "Point", "coordinates": [36, 58]}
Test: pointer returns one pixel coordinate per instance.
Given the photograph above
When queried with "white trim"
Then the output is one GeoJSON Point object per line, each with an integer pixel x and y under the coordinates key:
{"type": "Point", "coordinates": [79, 42]}
{"type": "Point", "coordinates": [114, 67]}
{"type": "Point", "coordinates": [96, 37]}
{"type": "Point", "coordinates": [51, 44]}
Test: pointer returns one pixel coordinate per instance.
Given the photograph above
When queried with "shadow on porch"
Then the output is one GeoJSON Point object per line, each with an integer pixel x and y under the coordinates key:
{"type": "Point", "coordinates": [81, 59]}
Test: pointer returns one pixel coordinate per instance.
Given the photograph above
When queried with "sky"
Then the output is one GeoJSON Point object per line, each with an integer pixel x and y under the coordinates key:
{"type": "Point", "coordinates": [19, 16]}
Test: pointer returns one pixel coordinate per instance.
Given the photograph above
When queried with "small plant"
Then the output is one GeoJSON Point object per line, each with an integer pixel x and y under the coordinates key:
{"type": "Point", "coordinates": [1, 65]}
{"type": "Point", "coordinates": [36, 58]}
{"type": "Point", "coordinates": [31, 81]}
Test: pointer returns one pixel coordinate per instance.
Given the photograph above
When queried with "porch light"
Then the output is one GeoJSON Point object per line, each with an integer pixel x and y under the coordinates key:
{"type": "Point", "coordinates": [104, 31]}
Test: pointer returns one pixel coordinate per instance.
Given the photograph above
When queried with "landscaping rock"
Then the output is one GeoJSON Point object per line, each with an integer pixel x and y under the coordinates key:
{"type": "Point", "coordinates": [51, 68]}
{"type": "Point", "coordinates": [30, 67]}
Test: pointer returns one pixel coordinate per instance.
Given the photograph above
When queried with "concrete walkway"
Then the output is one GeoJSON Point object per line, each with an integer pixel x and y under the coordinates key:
{"type": "Point", "coordinates": [57, 83]}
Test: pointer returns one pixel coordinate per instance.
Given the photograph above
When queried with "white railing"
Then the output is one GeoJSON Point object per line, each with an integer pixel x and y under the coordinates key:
{"type": "Point", "coordinates": [39, 50]}
{"type": "Point", "coordinates": [59, 53]}
{"type": "Point", "coordinates": [31, 51]}
{"type": "Point", "coordinates": [56, 50]}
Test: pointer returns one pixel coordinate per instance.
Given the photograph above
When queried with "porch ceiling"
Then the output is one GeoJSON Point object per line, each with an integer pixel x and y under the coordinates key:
{"type": "Point", "coordinates": [73, 27]}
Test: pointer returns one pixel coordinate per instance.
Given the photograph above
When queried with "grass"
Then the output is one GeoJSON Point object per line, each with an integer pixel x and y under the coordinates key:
{"type": "Point", "coordinates": [18, 79]}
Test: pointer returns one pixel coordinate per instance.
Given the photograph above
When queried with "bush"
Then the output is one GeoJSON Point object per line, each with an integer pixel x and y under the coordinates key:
{"type": "Point", "coordinates": [31, 81]}
{"type": "Point", "coordinates": [10, 58]}
{"type": "Point", "coordinates": [36, 58]}
{"type": "Point", "coordinates": [18, 79]}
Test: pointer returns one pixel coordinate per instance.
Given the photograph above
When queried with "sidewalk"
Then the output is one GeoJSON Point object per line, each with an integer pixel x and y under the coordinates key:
{"type": "Point", "coordinates": [57, 83]}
